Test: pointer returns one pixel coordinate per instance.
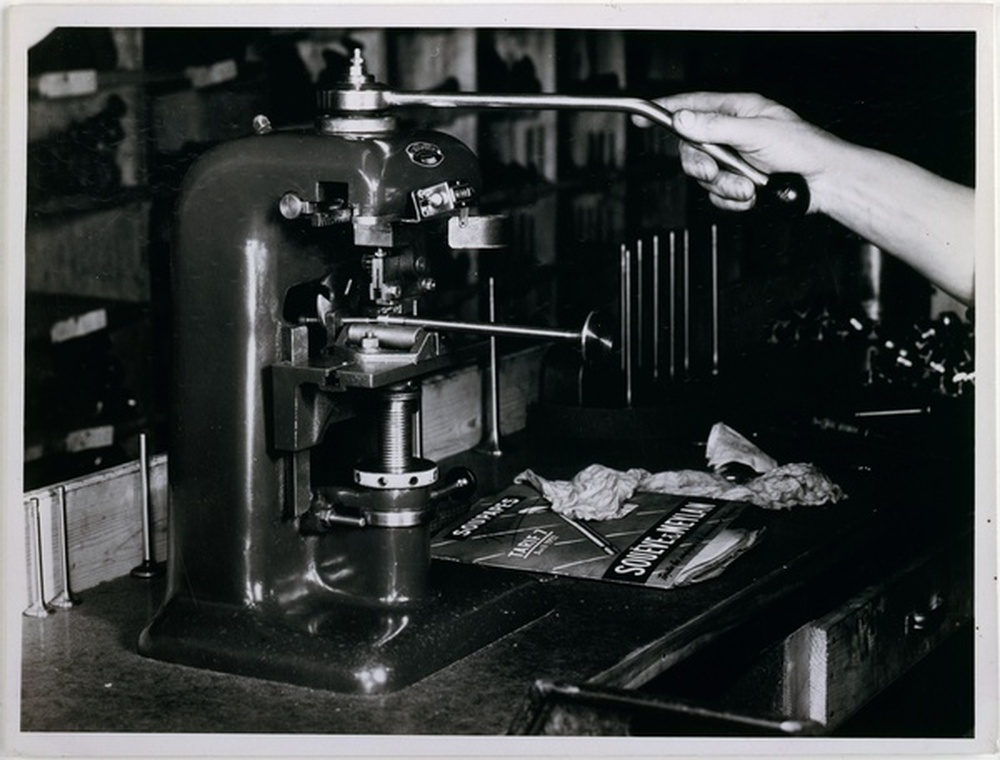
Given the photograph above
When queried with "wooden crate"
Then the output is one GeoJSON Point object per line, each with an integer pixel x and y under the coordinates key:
{"type": "Point", "coordinates": [103, 526]}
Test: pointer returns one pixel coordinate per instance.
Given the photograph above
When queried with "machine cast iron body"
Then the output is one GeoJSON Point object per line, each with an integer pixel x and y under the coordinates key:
{"type": "Point", "coordinates": [272, 571]}
{"type": "Point", "coordinates": [300, 264]}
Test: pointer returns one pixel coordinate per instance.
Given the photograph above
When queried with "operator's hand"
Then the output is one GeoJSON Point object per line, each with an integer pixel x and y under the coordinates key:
{"type": "Point", "coordinates": [768, 135]}
{"type": "Point", "coordinates": [926, 220]}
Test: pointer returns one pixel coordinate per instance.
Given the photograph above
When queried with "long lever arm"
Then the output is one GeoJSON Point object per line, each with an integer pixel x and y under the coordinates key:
{"type": "Point", "coordinates": [788, 193]}
{"type": "Point", "coordinates": [784, 191]}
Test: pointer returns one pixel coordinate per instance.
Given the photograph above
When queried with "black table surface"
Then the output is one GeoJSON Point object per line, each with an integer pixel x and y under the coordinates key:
{"type": "Point", "coordinates": [81, 672]}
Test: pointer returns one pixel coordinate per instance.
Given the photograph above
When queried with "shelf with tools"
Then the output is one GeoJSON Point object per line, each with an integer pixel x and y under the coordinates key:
{"type": "Point", "coordinates": [91, 385]}
{"type": "Point", "coordinates": [86, 267]}
{"type": "Point", "coordinates": [87, 197]}
{"type": "Point", "coordinates": [109, 116]}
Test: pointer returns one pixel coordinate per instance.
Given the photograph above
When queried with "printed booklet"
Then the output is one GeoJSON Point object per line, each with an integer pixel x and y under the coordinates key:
{"type": "Point", "coordinates": [665, 540]}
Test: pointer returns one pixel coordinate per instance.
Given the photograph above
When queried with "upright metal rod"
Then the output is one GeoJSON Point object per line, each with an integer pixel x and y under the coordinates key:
{"type": "Point", "coordinates": [687, 304]}
{"type": "Point", "coordinates": [147, 548]}
{"type": "Point", "coordinates": [418, 415]}
{"type": "Point", "coordinates": [36, 601]}
{"type": "Point", "coordinates": [656, 307]}
{"type": "Point", "coordinates": [715, 299]}
{"type": "Point", "coordinates": [672, 304]}
{"type": "Point", "coordinates": [640, 276]}
{"type": "Point", "coordinates": [491, 437]}
{"type": "Point", "coordinates": [622, 298]}
{"type": "Point", "coordinates": [148, 569]}
{"type": "Point", "coordinates": [628, 328]}
{"type": "Point", "coordinates": [65, 599]}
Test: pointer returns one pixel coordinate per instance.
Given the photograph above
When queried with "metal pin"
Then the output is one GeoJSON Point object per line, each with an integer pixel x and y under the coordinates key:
{"type": "Point", "coordinates": [628, 328]}
{"type": "Point", "coordinates": [537, 509]}
{"type": "Point", "coordinates": [418, 417]}
{"type": "Point", "coordinates": [715, 300]}
{"type": "Point", "coordinates": [591, 535]}
{"type": "Point", "coordinates": [148, 569]}
{"type": "Point", "coordinates": [656, 307]}
{"type": "Point", "coordinates": [622, 297]}
{"type": "Point", "coordinates": [491, 434]}
{"type": "Point", "coordinates": [672, 289]}
{"type": "Point", "coordinates": [892, 412]}
{"type": "Point", "coordinates": [36, 603]}
{"type": "Point", "coordinates": [65, 599]}
{"type": "Point", "coordinates": [687, 303]}
{"type": "Point", "coordinates": [640, 275]}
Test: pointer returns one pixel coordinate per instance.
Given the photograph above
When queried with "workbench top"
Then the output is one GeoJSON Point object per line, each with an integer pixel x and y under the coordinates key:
{"type": "Point", "coordinates": [81, 671]}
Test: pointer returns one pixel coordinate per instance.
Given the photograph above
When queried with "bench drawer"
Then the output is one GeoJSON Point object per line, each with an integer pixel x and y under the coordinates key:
{"type": "Point", "coordinates": [837, 663]}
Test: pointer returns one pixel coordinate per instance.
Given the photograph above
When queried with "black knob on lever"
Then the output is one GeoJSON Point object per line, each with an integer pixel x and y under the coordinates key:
{"type": "Point", "coordinates": [784, 193]}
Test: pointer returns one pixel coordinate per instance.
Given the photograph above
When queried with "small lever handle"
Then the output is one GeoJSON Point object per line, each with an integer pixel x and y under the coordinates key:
{"type": "Point", "coordinates": [460, 484]}
{"type": "Point", "coordinates": [323, 515]}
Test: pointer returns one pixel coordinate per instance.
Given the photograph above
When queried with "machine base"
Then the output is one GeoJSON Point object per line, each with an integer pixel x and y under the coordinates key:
{"type": "Point", "coordinates": [346, 647]}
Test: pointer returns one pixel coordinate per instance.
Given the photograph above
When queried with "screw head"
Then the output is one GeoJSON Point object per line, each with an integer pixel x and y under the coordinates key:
{"type": "Point", "coordinates": [262, 124]}
{"type": "Point", "coordinates": [290, 206]}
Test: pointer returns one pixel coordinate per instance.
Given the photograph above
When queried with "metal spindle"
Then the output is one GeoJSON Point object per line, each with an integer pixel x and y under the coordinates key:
{"type": "Point", "coordinates": [672, 306]}
{"type": "Point", "coordinates": [491, 434]}
{"type": "Point", "coordinates": [65, 599]}
{"type": "Point", "coordinates": [396, 429]}
{"type": "Point", "coordinates": [148, 569]}
{"type": "Point", "coordinates": [418, 415]}
{"type": "Point", "coordinates": [715, 299]}
{"type": "Point", "coordinates": [656, 307]}
{"type": "Point", "coordinates": [622, 298]}
{"type": "Point", "coordinates": [687, 303]}
{"type": "Point", "coordinates": [36, 602]}
{"type": "Point", "coordinates": [640, 276]}
{"type": "Point", "coordinates": [629, 380]}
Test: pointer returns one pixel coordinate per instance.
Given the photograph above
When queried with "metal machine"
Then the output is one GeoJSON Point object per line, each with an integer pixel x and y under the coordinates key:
{"type": "Point", "coordinates": [300, 267]}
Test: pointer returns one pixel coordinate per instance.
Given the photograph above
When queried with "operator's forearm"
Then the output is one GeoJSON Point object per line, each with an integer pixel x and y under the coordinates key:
{"type": "Point", "coordinates": [924, 219]}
